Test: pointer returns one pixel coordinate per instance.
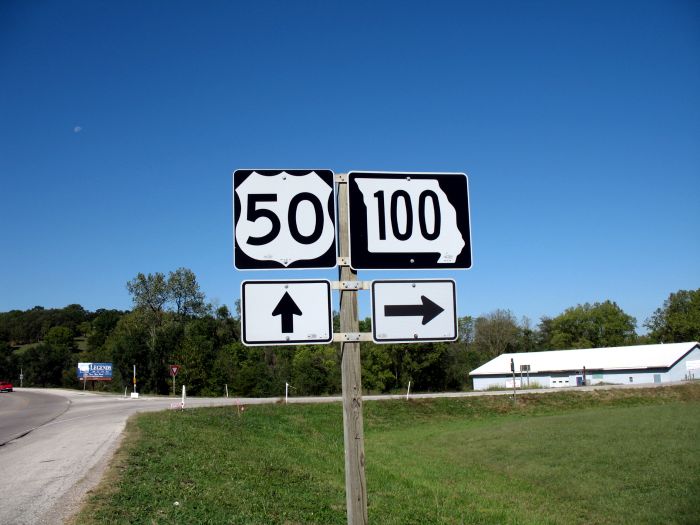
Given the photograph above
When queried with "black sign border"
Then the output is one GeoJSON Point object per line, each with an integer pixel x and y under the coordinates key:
{"type": "Point", "coordinates": [290, 341]}
{"type": "Point", "coordinates": [417, 340]}
{"type": "Point", "coordinates": [242, 261]}
{"type": "Point", "coordinates": [454, 185]}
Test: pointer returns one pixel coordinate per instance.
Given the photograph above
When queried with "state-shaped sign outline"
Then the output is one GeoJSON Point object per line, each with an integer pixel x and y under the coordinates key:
{"type": "Point", "coordinates": [242, 261]}
{"type": "Point", "coordinates": [287, 342]}
{"type": "Point", "coordinates": [415, 339]}
{"type": "Point", "coordinates": [455, 186]}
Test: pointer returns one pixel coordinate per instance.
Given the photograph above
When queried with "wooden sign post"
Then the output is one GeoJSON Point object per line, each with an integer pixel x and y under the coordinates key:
{"type": "Point", "coordinates": [353, 428]}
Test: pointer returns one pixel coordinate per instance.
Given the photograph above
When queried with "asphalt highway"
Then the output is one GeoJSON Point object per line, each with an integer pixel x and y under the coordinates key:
{"type": "Point", "coordinates": [55, 445]}
{"type": "Point", "coordinates": [21, 412]}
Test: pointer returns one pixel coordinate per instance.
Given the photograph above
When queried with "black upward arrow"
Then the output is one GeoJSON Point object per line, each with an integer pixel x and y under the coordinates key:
{"type": "Point", "coordinates": [429, 310]}
{"type": "Point", "coordinates": [287, 308]}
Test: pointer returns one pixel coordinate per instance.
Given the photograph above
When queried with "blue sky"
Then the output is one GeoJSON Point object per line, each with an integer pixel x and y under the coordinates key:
{"type": "Point", "coordinates": [578, 124]}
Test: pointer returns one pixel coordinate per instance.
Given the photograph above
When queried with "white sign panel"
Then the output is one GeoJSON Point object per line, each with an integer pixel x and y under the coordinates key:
{"type": "Point", "coordinates": [286, 312]}
{"type": "Point", "coordinates": [414, 310]}
{"type": "Point", "coordinates": [409, 220]}
{"type": "Point", "coordinates": [284, 219]}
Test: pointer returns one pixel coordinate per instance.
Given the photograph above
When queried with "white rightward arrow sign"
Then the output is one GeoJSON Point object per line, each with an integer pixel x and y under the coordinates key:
{"type": "Point", "coordinates": [414, 310]}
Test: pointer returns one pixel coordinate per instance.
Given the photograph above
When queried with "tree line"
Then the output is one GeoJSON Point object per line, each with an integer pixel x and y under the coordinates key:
{"type": "Point", "coordinates": [172, 323]}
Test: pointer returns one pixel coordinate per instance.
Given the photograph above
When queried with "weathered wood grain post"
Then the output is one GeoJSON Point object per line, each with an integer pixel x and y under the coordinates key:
{"type": "Point", "coordinates": [353, 428]}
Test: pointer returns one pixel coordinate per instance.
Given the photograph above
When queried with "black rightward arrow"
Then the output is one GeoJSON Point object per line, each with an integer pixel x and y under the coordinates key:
{"type": "Point", "coordinates": [429, 310]}
{"type": "Point", "coordinates": [287, 309]}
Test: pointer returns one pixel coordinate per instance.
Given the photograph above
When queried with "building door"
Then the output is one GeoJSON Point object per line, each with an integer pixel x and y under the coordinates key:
{"type": "Point", "coordinates": [657, 378]}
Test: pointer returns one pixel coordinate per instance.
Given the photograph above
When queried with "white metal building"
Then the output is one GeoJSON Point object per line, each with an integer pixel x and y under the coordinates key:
{"type": "Point", "coordinates": [660, 363]}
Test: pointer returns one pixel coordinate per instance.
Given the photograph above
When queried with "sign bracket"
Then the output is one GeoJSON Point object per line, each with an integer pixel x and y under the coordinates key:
{"type": "Point", "coordinates": [352, 337]}
{"type": "Point", "coordinates": [351, 286]}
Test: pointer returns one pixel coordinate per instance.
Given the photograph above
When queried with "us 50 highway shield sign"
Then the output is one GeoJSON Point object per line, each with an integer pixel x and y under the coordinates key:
{"type": "Point", "coordinates": [284, 219]}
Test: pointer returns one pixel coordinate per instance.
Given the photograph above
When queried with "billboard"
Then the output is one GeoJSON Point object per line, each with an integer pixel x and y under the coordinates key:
{"type": "Point", "coordinates": [95, 371]}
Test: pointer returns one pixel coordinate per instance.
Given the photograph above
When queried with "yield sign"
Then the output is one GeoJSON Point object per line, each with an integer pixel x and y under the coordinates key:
{"type": "Point", "coordinates": [418, 310]}
{"type": "Point", "coordinates": [286, 312]}
{"type": "Point", "coordinates": [174, 369]}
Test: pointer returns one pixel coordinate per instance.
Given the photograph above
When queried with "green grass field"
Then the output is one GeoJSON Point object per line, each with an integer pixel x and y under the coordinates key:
{"type": "Point", "coordinates": [622, 456]}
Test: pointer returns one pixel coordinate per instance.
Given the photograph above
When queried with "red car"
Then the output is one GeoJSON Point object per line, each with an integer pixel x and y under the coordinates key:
{"type": "Point", "coordinates": [5, 387]}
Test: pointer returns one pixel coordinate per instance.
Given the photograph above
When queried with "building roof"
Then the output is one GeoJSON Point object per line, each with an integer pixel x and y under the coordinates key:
{"type": "Point", "coordinates": [616, 358]}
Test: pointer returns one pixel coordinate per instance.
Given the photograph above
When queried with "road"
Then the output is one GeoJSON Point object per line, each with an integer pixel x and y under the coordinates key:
{"type": "Point", "coordinates": [55, 444]}
{"type": "Point", "coordinates": [20, 413]}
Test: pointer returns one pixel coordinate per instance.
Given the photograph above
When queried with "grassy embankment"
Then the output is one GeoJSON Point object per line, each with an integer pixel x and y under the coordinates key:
{"type": "Point", "coordinates": [618, 456]}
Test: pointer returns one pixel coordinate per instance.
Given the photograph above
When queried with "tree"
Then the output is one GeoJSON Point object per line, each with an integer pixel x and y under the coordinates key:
{"type": "Point", "coordinates": [254, 371]}
{"type": "Point", "coordinates": [229, 329]}
{"type": "Point", "coordinates": [222, 312]}
{"type": "Point", "coordinates": [196, 355]}
{"type": "Point", "coordinates": [30, 326]}
{"type": "Point", "coordinates": [597, 325]}
{"type": "Point", "coordinates": [167, 310]}
{"type": "Point", "coordinates": [376, 368]}
{"type": "Point", "coordinates": [495, 333]}
{"type": "Point", "coordinates": [678, 320]}
{"type": "Point", "coordinates": [44, 365]}
{"type": "Point", "coordinates": [149, 292]}
{"type": "Point", "coordinates": [465, 327]}
{"type": "Point", "coordinates": [9, 368]}
{"type": "Point", "coordinates": [128, 344]}
{"type": "Point", "coordinates": [102, 325]}
{"type": "Point", "coordinates": [527, 337]}
{"type": "Point", "coordinates": [458, 366]}
{"type": "Point", "coordinates": [183, 290]}
{"type": "Point", "coordinates": [60, 337]}
{"type": "Point", "coordinates": [312, 370]}
{"type": "Point", "coordinates": [425, 365]}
